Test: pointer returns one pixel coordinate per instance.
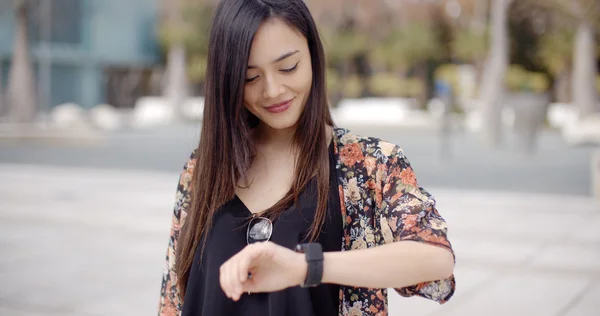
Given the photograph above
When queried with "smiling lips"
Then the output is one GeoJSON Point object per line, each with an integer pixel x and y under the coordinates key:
{"type": "Point", "coordinates": [280, 107]}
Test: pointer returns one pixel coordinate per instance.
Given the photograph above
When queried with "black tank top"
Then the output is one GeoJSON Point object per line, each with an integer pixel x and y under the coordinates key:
{"type": "Point", "coordinates": [227, 237]}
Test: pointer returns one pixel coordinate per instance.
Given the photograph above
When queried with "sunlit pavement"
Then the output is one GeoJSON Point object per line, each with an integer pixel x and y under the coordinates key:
{"type": "Point", "coordinates": [91, 241]}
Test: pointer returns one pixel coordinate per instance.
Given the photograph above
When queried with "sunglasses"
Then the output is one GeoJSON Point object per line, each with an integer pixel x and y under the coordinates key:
{"type": "Point", "coordinates": [259, 230]}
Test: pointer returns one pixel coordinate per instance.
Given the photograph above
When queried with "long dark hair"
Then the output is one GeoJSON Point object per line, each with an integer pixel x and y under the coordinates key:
{"type": "Point", "coordinates": [225, 151]}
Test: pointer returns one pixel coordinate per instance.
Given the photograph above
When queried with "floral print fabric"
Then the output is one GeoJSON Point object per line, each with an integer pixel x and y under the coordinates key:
{"type": "Point", "coordinates": [381, 202]}
{"type": "Point", "coordinates": [170, 301]}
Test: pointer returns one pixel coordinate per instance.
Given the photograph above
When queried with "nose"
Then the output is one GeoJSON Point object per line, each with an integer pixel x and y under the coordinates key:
{"type": "Point", "coordinates": [273, 89]}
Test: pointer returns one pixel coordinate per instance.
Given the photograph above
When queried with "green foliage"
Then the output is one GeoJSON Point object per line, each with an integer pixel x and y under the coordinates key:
{"type": "Point", "coordinates": [333, 80]}
{"type": "Point", "coordinates": [193, 32]}
{"type": "Point", "coordinates": [519, 79]}
{"type": "Point", "coordinates": [343, 44]}
{"type": "Point", "coordinates": [197, 67]}
{"type": "Point", "coordinates": [408, 46]}
{"type": "Point", "coordinates": [387, 84]}
{"type": "Point", "coordinates": [556, 50]}
{"type": "Point", "coordinates": [351, 87]}
{"type": "Point", "coordinates": [469, 44]}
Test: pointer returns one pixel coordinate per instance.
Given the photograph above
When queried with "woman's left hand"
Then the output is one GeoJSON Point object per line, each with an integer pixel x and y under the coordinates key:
{"type": "Point", "coordinates": [273, 268]}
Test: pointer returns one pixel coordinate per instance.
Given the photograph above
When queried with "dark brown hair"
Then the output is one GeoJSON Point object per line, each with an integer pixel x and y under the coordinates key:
{"type": "Point", "coordinates": [225, 150]}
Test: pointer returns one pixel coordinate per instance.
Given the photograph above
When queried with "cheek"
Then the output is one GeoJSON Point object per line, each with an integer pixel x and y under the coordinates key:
{"type": "Point", "coordinates": [250, 97]}
{"type": "Point", "coordinates": [303, 82]}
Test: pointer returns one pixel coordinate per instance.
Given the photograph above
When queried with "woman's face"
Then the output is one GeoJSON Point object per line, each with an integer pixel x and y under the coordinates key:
{"type": "Point", "coordinates": [279, 75]}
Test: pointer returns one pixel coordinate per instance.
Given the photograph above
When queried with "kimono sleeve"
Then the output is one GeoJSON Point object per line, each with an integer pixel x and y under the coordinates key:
{"type": "Point", "coordinates": [170, 300]}
{"type": "Point", "coordinates": [409, 213]}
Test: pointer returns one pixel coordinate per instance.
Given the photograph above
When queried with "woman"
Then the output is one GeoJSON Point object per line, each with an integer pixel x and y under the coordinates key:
{"type": "Point", "coordinates": [278, 212]}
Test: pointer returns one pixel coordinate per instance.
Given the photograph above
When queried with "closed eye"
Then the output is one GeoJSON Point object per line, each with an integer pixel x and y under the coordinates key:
{"type": "Point", "coordinates": [290, 69]}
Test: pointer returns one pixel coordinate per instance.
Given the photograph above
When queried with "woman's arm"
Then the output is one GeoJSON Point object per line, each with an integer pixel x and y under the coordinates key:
{"type": "Point", "coordinates": [170, 300]}
{"type": "Point", "coordinates": [394, 265]}
{"type": "Point", "coordinates": [275, 268]}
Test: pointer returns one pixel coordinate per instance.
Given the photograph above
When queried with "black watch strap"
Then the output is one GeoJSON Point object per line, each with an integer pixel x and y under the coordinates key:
{"type": "Point", "coordinates": [314, 260]}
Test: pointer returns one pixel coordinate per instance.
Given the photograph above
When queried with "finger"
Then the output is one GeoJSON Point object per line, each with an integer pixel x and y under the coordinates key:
{"type": "Point", "coordinates": [248, 263]}
{"type": "Point", "coordinates": [244, 263]}
{"type": "Point", "coordinates": [243, 271]}
{"type": "Point", "coordinates": [236, 285]}
{"type": "Point", "coordinates": [250, 286]}
{"type": "Point", "coordinates": [223, 278]}
{"type": "Point", "coordinates": [228, 279]}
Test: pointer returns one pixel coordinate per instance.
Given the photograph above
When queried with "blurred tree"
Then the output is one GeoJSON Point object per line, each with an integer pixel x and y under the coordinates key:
{"type": "Point", "coordinates": [471, 45]}
{"type": "Point", "coordinates": [410, 47]}
{"type": "Point", "coordinates": [184, 35]}
{"type": "Point", "coordinates": [175, 85]}
{"type": "Point", "coordinates": [1, 93]}
{"type": "Point", "coordinates": [342, 46]}
{"type": "Point", "coordinates": [349, 28]}
{"type": "Point", "coordinates": [556, 52]}
{"type": "Point", "coordinates": [199, 16]}
{"type": "Point", "coordinates": [20, 94]}
{"type": "Point", "coordinates": [586, 15]}
{"type": "Point", "coordinates": [492, 86]}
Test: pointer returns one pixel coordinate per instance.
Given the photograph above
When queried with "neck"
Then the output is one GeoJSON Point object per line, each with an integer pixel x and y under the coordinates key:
{"type": "Point", "coordinates": [274, 138]}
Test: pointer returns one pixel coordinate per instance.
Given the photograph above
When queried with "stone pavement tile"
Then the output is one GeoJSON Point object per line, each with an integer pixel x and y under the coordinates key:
{"type": "Point", "coordinates": [515, 201]}
{"type": "Point", "coordinates": [588, 304]}
{"type": "Point", "coordinates": [143, 300]}
{"type": "Point", "coordinates": [156, 218]}
{"type": "Point", "coordinates": [520, 294]}
{"type": "Point", "coordinates": [50, 282]}
{"type": "Point", "coordinates": [17, 312]}
{"type": "Point", "coordinates": [516, 222]}
{"type": "Point", "coordinates": [16, 231]}
{"type": "Point", "coordinates": [33, 311]}
{"type": "Point", "coordinates": [493, 249]}
{"type": "Point", "coordinates": [589, 231]}
{"type": "Point", "coordinates": [83, 266]}
{"type": "Point", "coordinates": [468, 279]}
{"type": "Point", "coordinates": [14, 251]}
{"type": "Point", "coordinates": [571, 257]}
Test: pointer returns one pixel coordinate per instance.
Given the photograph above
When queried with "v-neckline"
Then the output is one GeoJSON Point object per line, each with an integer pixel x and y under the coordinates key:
{"type": "Point", "coordinates": [330, 150]}
{"type": "Point", "coordinates": [252, 214]}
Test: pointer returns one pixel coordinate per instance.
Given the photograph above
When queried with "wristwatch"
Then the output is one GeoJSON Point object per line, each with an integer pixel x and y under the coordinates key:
{"type": "Point", "coordinates": [314, 260]}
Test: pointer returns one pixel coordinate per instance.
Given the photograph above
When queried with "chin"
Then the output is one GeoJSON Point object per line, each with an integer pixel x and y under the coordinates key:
{"type": "Point", "coordinates": [282, 123]}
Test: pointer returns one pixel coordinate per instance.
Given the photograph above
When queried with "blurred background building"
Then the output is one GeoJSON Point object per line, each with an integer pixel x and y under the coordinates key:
{"type": "Point", "coordinates": [476, 61]}
{"type": "Point", "coordinates": [83, 51]}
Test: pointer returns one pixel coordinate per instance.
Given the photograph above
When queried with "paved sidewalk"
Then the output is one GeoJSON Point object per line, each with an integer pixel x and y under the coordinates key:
{"type": "Point", "coordinates": [91, 242]}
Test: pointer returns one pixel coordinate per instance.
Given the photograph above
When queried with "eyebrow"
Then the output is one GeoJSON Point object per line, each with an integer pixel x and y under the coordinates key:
{"type": "Point", "coordinates": [280, 58]}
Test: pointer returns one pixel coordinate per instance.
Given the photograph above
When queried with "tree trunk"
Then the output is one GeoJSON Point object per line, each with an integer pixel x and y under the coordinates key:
{"type": "Point", "coordinates": [176, 90]}
{"type": "Point", "coordinates": [492, 87]}
{"type": "Point", "coordinates": [562, 86]}
{"type": "Point", "coordinates": [176, 85]}
{"type": "Point", "coordinates": [20, 92]}
{"type": "Point", "coordinates": [2, 103]}
{"type": "Point", "coordinates": [585, 96]}
{"type": "Point", "coordinates": [423, 95]}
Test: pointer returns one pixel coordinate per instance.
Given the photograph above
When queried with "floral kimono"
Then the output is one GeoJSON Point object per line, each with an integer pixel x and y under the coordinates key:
{"type": "Point", "coordinates": [381, 203]}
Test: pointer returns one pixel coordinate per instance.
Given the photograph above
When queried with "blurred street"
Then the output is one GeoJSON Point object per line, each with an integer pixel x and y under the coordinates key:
{"type": "Point", "coordinates": [86, 226]}
{"type": "Point", "coordinates": [554, 168]}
